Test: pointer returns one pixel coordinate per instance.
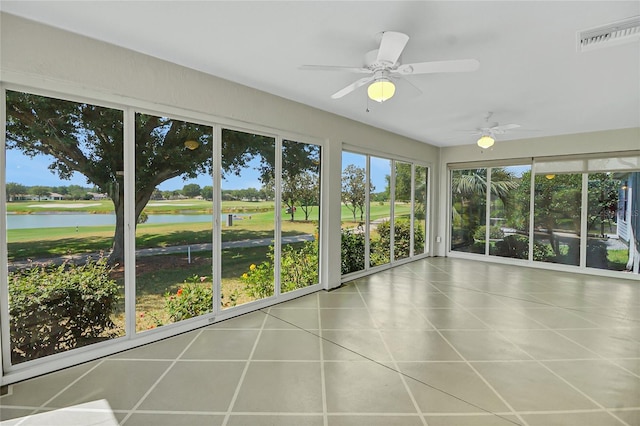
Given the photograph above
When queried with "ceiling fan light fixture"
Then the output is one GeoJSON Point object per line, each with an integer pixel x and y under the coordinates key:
{"type": "Point", "coordinates": [381, 90]}
{"type": "Point", "coordinates": [486, 141]}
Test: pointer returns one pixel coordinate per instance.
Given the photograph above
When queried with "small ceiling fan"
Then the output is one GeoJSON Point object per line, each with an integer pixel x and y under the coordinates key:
{"type": "Point", "coordinates": [383, 66]}
{"type": "Point", "coordinates": [488, 133]}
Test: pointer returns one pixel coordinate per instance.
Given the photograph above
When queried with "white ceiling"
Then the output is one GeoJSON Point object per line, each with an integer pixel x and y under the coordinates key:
{"type": "Point", "coordinates": [530, 71]}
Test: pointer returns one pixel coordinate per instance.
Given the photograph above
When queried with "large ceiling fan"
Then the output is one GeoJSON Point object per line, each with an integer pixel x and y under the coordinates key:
{"type": "Point", "coordinates": [382, 66]}
{"type": "Point", "coordinates": [488, 133]}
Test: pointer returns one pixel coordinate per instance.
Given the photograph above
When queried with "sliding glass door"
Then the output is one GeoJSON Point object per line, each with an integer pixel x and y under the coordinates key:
{"type": "Point", "coordinates": [65, 227]}
{"type": "Point", "coordinates": [173, 211]}
{"type": "Point", "coordinates": [384, 211]}
{"type": "Point", "coordinates": [580, 212]}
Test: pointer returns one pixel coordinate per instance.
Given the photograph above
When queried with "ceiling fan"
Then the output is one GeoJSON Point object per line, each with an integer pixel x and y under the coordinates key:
{"type": "Point", "coordinates": [383, 65]}
{"type": "Point", "coordinates": [488, 133]}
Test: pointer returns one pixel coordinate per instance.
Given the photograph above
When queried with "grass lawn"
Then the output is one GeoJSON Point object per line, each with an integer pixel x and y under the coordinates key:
{"type": "Point", "coordinates": [51, 242]}
{"type": "Point", "coordinates": [159, 275]}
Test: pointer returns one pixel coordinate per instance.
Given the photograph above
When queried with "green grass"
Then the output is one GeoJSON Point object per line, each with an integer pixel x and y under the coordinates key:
{"type": "Point", "coordinates": [51, 242]}
{"type": "Point", "coordinates": [187, 206]}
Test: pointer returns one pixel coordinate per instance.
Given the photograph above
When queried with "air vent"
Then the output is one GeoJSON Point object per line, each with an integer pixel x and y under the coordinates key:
{"type": "Point", "coordinates": [625, 31]}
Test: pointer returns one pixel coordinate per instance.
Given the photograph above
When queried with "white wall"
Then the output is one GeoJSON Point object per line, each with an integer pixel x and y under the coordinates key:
{"type": "Point", "coordinates": [44, 57]}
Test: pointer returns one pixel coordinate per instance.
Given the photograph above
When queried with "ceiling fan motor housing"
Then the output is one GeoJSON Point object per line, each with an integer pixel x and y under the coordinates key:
{"type": "Point", "coordinates": [371, 61]}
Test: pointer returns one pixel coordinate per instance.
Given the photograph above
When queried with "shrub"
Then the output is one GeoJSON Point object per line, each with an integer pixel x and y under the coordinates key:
{"type": "Point", "coordinates": [57, 308]}
{"type": "Point", "coordinates": [495, 233]}
{"type": "Point", "coordinates": [259, 279]}
{"type": "Point", "coordinates": [193, 298]}
{"type": "Point", "coordinates": [298, 269]}
{"type": "Point", "coordinates": [514, 246]}
{"type": "Point", "coordinates": [352, 251]}
{"type": "Point", "coordinates": [401, 239]}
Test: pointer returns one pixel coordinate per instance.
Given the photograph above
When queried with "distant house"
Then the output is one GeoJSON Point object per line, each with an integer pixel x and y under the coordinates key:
{"type": "Point", "coordinates": [97, 197]}
{"type": "Point", "coordinates": [52, 196]}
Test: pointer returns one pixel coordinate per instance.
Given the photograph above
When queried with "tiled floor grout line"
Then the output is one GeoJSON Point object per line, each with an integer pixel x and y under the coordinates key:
{"type": "Point", "coordinates": [173, 363]}
{"type": "Point", "coordinates": [543, 303]}
{"type": "Point", "coordinates": [325, 408]}
{"type": "Point", "coordinates": [542, 364]}
{"type": "Point", "coordinates": [486, 382]}
{"type": "Point", "coordinates": [244, 371]}
{"type": "Point", "coordinates": [365, 358]}
{"type": "Point", "coordinates": [394, 362]}
{"type": "Point", "coordinates": [46, 403]}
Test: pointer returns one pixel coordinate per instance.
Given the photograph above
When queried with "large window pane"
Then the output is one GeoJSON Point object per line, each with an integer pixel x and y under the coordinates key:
{"type": "Point", "coordinates": [301, 216]}
{"type": "Point", "coordinates": [352, 221]}
{"type": "Point", "coordinates": [608, 238]}
{"type": "Point", "coordinates": [557, 209]}
{"type": "Point", "coordinates": [509, 211]}
{"type": "Point", "coordinates": [174, 223]}
{"type": "Point", "coordinates": [248, 231]}
{"type": "Point", "coordinates": [468, 210]}
{"type": "Point", "coordinates": [65, 205]}
{"type": "Point", "coordinates": [379, 211]}
{"type": "Point", "coordinates": [420, 210]}
{"type": "Point", "coordinates": [402, 211]}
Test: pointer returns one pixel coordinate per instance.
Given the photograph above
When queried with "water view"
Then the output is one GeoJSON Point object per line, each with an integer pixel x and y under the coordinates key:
{"type": "Point", "coordinates": [63, 220]}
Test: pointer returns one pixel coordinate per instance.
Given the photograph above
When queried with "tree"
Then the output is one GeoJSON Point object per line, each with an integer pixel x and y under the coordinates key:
{"type": "Point", "coordinates": [40, 191]}
{"type": "Point", "coordinates": [353, 189]}
{"type": "Point", "coordinates": [207, 192]}
{"type": "Point", "coordinates": [88, 139]}
{"type": "Point", "coordinates": [14, 190]}
{"type": "Point", "coordinates": [191, 190]}
{"type": "Point", "coordinates": [308, 192]}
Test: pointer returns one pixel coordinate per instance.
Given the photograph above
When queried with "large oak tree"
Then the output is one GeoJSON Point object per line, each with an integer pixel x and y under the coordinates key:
{"type": "Point", "coordinates": [89, 139]}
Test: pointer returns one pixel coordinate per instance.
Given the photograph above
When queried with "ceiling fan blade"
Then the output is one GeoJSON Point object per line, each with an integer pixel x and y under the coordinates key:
{"type": "Point", "coordinates": [505, 127]}
{"type": "Point", "coordinates": [391, 46]}
{"type": "Point", "coordinates": [335, 68]}
{"type": "Point", "coordinates": [460, 65]}
{"type": "Point", "coordinates": [350, 88]}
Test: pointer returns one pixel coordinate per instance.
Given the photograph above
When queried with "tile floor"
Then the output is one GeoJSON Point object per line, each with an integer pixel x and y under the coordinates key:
{"type": "Point", "coordinates": [435, 342]}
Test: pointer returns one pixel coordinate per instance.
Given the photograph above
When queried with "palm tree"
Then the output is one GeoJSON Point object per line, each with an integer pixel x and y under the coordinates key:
{"type": "Point", "coordinates": [471, 187]}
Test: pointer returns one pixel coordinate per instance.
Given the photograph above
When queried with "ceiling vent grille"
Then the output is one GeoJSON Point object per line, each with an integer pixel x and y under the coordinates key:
{"type": "Point", "coordinates": [625, 31]}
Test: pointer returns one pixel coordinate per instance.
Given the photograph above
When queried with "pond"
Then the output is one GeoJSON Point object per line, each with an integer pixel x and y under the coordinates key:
{"type": "Point", "coordinates": [61, 220]}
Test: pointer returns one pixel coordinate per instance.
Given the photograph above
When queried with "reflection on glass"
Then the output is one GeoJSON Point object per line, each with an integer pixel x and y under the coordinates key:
{"type": "Point", "coordinates": [300, 215]}
{"type": "Point", "coordinates": [173, 257]}
{"type": "Point", "coordinates": [352, 219]}
{"type": "Point", "coordinates": [557, 212]}
{"type": "Point", "coordinates": [402, 212]}
{"type": "Point", "coordinates": [509, 211]}
{"type": "Point", "coordinates": [468, 197]}
{"type": "Point", "coordinates": [248, 191]}
{"type": "Point", "coordinates": [64, 173]}
{"type": "Point", "coordinates": [420, 210]}
{"type": "Point", "coordinates": [607, 222]}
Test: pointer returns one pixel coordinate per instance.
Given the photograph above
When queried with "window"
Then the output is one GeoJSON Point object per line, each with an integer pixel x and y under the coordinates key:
{"type": "Point", "coordinates": [384, 211]}
{"type": "Point", "coordinates": [173, 212]}
{"type": "Point", "coordinates": [65, 220]}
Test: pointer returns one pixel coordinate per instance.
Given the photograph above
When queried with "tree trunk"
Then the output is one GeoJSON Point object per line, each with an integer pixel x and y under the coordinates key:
{"type": "Point", "coordinates": [117, 249]}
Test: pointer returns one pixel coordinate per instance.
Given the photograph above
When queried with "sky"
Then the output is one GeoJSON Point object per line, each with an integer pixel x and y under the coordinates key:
{"type": "Point", "coordinates": [33, 171]}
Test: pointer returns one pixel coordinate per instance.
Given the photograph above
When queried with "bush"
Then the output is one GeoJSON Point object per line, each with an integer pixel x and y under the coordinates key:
{"type": "Point", "coordinates": [514, 246]}
{"type": "Point", "coordinates": [259, 279]}
{"type": "Point", "coordinates": [352, 251]}
{"type": "Point", "coordinates": [298, 269]}
{"type": "Point", "coordinates": [58, 308]}
{"type": "Point", "coordinates": [193, 298]}
{"type": "Point", "coordinates": [495, 233]}
{"type": "Point", "coordinates": [402, 238]}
